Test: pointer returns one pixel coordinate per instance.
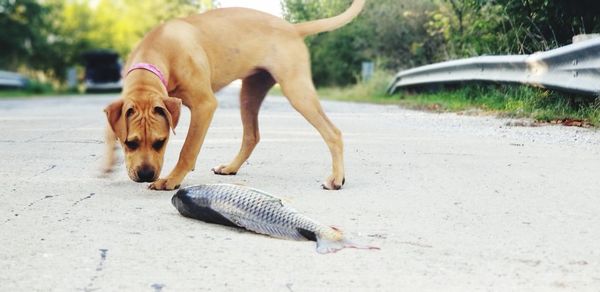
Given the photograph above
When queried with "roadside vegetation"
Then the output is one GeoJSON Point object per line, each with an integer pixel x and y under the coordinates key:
{"type": "Point", "coordinates": [401, 34]}
{"type": "Point", "coordinates": [43, 38]}
{"type": "Point", "coordinates": [515, 101]}
{"type": "Point", "coordinates": [32, 89]}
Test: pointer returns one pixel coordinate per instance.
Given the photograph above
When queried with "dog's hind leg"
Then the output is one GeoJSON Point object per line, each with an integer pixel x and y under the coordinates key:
{"type": "Point", "coordinates": [298, 87]}
{"type": "Point", "coordinates": [254, 90]}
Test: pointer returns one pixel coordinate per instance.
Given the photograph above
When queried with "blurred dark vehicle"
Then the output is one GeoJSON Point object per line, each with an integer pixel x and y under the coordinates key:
{"type": "Point", "coordinates": [102, 71]}
{"type": "Point", "coordinates": [11, 80]}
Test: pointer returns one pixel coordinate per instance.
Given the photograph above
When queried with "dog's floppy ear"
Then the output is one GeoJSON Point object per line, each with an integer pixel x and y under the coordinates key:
{"type": "Point", "coordinates": [114, 114]}
{"type": "Point", "coordinates": [173, 106]}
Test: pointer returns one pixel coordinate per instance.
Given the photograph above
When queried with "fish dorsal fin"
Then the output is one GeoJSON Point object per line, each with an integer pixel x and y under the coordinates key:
{"type": "Point", "coordinates": [268, 197]}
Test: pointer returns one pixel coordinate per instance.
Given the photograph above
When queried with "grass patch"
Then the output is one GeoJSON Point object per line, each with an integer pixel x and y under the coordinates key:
{"type": "Point", "coordinates": [16, 93]}
{"type": "Point", "coordinates": [517, 101]}
{"type": "Point", "coordinates": [33, 89]}
{"type": "Point", "coordinates": [373, 90]}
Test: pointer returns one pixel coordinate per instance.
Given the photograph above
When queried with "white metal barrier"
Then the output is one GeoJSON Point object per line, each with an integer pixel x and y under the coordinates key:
{"type": "Point", "coordinates": [10, 79]}
{"type": "Point", "coordinates": [573, 68]}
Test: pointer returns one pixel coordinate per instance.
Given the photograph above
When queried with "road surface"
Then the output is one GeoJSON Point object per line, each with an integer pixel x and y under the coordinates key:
{"type": "Point", "coordinates": [455, 202]}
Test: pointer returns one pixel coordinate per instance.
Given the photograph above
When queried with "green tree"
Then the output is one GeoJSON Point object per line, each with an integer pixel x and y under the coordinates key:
{"type": "Point", "coordinates": [50, 35]}
{"type": "Point", "coordinates": [547, 24]}
{"type": "Point", "coordinates": [23, 31]}
{"type": "Point", "coordinates": [335, 56]}
{"type": "Point", "coordinates": [407, 33]}
{"type": "Point", "coordinates": [120, 24]}
{"type": "Point", "coordinates": [400, 37]}
{"type": "Point", "coordinates": [391, 32]}
{"type": "Point", "coordinates": [475, 27]}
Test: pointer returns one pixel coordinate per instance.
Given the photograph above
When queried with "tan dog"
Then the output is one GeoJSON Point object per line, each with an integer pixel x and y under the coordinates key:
{"type": "Point", "coordinates": [197, 56]}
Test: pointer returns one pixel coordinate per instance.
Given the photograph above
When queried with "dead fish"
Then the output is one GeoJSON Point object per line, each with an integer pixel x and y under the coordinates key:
{"type": "Point", "coordinates": [255, 210]}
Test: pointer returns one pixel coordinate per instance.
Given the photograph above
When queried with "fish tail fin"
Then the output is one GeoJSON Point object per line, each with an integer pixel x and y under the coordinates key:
{"type": "Point", "coordinates": [325, 245]}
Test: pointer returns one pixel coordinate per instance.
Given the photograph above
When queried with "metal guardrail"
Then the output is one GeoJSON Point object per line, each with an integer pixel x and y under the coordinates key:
{"type": "Point", "coordinates": [573, 68]}
{"type": "Point", "coordinates": [10, 79]}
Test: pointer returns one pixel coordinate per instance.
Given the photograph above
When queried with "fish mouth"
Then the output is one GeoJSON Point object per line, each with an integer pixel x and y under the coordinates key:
{"type": "Point", "coordinates": [175, 199]}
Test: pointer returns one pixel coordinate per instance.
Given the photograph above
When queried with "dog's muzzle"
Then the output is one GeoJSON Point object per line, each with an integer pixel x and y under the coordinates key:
{"type": "Point", "coordinates": [146, 174]}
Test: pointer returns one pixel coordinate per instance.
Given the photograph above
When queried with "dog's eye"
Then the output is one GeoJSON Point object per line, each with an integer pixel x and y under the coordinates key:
{"type": "Point", "coordinates": [160, 111]}
{"type": "Point", "coordinates": [157, 145]}
{"type": "Point", "coordinates": [129, 112]}
{"type": "Point", "coordinates": [132, 145]}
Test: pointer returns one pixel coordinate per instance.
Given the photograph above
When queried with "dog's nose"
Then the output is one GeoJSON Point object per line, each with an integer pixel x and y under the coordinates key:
{"type": "Point", "coordinates": [146, 174]}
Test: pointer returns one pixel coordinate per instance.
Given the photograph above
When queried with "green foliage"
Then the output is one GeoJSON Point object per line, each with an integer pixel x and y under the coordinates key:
{"type": "Point", "coordinates": [120, 24]}
{"type": "Point", "coordinates": [475, 27]}
{"type": "Point", "coordinates": [335, 56]}
{"type": "Point", "coordinates": [33, 88]}
{"type": "Point", "coordinates": [24, 32]}
{"type": "Point", "coordinates": [399, 34]}
{"type": "Point", "coordinates": [509, 100]}
{"type": "Point", "coordinates": [49, 36]}
{"type": "Point", "coordinates": [375, 89]}
{"type": "Point", "coordinates": [406, 33]}
{"type": "Point", "coordinates": [391, 32]}
{"type": "Point", "coordinates": [545, 24]}
{"type": "Point", "coordinates": [37, 87]}
{"type": "Point", "coordinates": [470, 29]}
{"type": "Point", "coordinates": [517, 101]}
{"type": "Point", "coordinates": [40, 37]}
{"type": "Point", "coordinates": [305, 10]}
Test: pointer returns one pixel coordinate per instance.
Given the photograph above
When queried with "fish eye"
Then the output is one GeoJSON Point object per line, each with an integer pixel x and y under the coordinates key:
{"type": "Point", "coordinates": [158, 144]}
{"type": "Point", "coordinates": [132, 145]}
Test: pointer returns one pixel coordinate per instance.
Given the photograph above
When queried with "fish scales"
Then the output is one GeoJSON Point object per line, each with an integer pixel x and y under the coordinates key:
{"type": "Point", "coordinates": [258, 211]}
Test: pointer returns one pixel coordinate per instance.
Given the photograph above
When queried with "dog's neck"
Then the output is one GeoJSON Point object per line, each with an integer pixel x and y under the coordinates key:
{"type": "Point", "coordinates": [143, 80]}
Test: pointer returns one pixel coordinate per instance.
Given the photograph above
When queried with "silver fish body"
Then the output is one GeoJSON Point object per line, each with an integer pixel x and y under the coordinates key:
{"type": "Point", "coordinates": [255, 210]}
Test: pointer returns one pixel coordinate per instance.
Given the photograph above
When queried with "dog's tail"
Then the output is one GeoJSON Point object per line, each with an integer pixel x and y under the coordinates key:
{"type": "Point", "coordinates": [332, 23]}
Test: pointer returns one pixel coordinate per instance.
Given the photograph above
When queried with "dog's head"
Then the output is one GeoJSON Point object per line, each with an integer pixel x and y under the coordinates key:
{"type": "Point", "coordinates": [142, 126]}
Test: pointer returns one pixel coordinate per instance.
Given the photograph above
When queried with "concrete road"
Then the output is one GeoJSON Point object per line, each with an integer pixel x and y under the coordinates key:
{"type": "Point", "coordinates": [455, 203]}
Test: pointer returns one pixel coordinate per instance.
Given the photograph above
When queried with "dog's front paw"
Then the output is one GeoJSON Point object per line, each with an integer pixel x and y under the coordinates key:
{"type": "Point", "coordinates": [223, 170]}
{"type": "Point", "coordinates": [108, 166]}
{"type": "Point", "coordinates": [333, 184]}
{"type": "Point", "coordinates": [165, 184]}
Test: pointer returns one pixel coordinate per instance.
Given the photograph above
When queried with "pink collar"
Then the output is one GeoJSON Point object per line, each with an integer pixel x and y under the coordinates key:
{"type": "Point", "coordinates": [151, 68]}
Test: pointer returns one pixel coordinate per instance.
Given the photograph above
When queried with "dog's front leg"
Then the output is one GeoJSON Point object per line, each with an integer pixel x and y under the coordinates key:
{"type": "Point", "coordinates": [201, 116]}
{"type": "Point", "coordinates": [109, 155]}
